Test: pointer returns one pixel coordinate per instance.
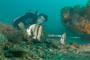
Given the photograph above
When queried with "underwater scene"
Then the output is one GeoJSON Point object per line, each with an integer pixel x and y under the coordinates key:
{"type": "Point", "coordinates": [44, 30]}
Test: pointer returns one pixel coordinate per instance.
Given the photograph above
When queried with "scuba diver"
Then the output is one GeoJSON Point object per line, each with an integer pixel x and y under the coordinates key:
{"type": "Point", "coordinates": [30, 18]}
{"type": "Point", "coordinates": [25, 21]}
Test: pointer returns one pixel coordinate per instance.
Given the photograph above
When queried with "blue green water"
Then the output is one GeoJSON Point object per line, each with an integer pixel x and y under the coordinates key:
{"type": "Point", "coordinates": [11, 9]}
{"type": "Point", "coordinates": [47, 49]}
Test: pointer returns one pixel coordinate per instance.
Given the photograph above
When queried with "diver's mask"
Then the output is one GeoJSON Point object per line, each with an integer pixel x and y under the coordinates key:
{"type": "Point", "coordinates": [40, 20]}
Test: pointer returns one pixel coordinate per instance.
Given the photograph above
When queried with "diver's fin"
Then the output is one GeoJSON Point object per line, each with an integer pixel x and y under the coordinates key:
{"type": "Point", "coordinates": [21, 26]}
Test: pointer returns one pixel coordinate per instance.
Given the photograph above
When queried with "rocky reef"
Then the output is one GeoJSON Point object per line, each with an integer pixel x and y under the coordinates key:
{"type": "Point", "coordinates": [12, 34]}
{"type": "Point", "coordinates": [3, 43]}
{"type": "Point", "coordinates": [15, 48]}
{"type": "Point", "coordinates": [77, 19]}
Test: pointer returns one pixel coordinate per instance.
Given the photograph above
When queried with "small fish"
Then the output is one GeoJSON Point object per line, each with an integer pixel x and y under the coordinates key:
{"type": "Point", "coordinates": [63, 38]}
{"type": "Point", "coordinates": [59, 36]}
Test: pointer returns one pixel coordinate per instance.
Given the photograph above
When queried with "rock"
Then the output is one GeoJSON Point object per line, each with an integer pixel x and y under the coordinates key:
{"type": "Point", "coordinates": [40, 58]}
{"type": "Point", "coordinates": [16, 52]}
{"type": "Point", "coordinates": [29, 57]}
{"type": "Point", "coordinates": [35, 56]}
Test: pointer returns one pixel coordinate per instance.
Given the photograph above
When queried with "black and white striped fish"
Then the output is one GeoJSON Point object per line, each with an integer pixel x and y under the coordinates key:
{"type": "Point", "coordinates": [35, 31]}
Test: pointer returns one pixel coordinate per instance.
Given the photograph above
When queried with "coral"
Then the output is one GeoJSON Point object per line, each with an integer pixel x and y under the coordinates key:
{"type": "Point", "coordinates": [12, 34]}
{"type": "Point", "coordinates": [85, 29]}
{"type": "Point", "coordinates": [77, 19]}
{"type": "Point", "coordinates": [46, 50]}
{"type": "Point", "coordinates": [66, 12]}
{"type": "Point", "coordinates": [3, 42]}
